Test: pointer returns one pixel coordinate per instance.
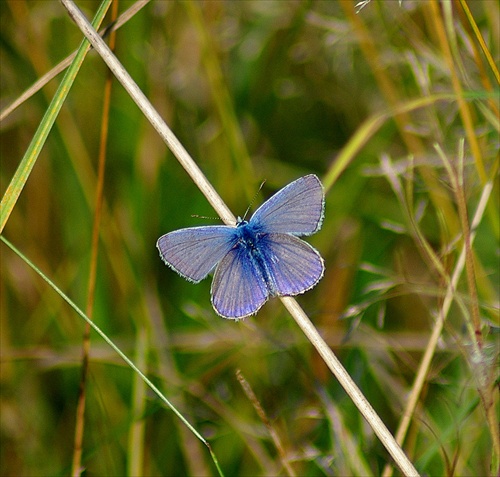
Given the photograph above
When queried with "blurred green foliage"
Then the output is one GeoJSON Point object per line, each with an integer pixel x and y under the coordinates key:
{"type": "Point", "coordinates": [255, 90]}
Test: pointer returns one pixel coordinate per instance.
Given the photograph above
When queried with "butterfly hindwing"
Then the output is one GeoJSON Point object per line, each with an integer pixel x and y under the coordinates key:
{"type": "Point", "coordinates": [194, 252]}
{"type": "Point", "coordinates": [296, 209]}
{"type": "Point", "coordinates": [293, 265]}
{"type": "Point", "coordinates": [238, 287]}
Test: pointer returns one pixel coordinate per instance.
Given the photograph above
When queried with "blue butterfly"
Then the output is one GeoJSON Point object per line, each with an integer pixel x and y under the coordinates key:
{"type": "Point", "coordinates": [258, 258]}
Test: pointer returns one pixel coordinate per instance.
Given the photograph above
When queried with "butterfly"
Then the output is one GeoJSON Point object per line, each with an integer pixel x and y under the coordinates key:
{"type": "Point", "coordinates": [254, 259]}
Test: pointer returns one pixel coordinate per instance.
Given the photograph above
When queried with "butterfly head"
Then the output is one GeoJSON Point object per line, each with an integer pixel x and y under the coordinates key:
{"type": "Point", "coordinates": [241, 222]}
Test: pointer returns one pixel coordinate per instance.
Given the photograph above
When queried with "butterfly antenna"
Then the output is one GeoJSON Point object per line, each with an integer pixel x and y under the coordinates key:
{"type": "Point", "coordinates": [205, 217]}
{"type": "Point", "coordinates": [254, 197]}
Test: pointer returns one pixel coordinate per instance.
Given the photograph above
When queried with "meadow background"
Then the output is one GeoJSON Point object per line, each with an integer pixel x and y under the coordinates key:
{"type": "Point", "coordinates": [395, 108]}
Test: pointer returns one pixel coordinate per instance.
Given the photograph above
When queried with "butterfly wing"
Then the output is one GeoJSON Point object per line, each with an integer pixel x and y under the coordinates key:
{"type": "Point", "coordinates": [293, 265]}
{"type": "Point", "coordinates": [296, 209]}
{"type": "Point", "coordinates": [194, 252]}
{"type": "Point", "coordinates": [239, 288]}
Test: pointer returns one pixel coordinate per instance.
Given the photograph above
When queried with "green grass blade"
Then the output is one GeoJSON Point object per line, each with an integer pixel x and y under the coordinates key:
{"type": "Point", "coordinates": [28, 161]}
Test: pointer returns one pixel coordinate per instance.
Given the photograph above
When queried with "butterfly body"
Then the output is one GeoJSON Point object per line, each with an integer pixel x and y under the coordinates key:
{"type": "Point", "coordinates": [255, 259]}
{"type": "Point", "coordinates": [253, 243]}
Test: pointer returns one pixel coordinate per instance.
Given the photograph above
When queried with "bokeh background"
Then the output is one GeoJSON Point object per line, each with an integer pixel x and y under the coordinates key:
{"type": "Point", "coordinates": [255, 90]}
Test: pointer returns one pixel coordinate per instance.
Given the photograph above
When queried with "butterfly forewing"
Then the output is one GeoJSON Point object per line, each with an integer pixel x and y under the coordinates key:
{"type": "Point", "coordinates": [296, 209]}
{"type": "Point", "coordinates": [293, 265]}
{"type": "Point", "coordinates": [194, 252]}
{"type": "Point", "coordinates": [238, 288]}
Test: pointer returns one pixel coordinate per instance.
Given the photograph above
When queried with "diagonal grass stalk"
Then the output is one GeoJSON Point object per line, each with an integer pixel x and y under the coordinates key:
{"type": "Point", "coordinates": [292, 306]}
